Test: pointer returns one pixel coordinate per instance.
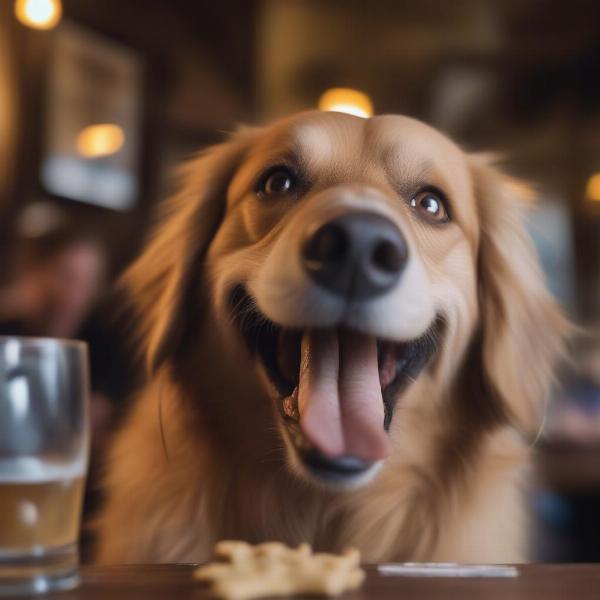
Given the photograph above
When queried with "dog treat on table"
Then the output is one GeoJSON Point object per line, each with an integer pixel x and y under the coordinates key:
{"type": "Point", "coordinates": [274, 569]}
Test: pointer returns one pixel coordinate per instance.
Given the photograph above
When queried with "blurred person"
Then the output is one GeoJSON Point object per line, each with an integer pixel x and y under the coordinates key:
{"type": "Point", "coordinates": [58, 285]}
{"type": "Point", "coordinates": [55, 281]}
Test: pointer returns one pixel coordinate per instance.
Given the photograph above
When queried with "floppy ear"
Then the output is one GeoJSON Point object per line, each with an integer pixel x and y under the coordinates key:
{"type": "Point", "coordinates": [159, 281]}
{"type": "Point", "coordinates": [522, 329]}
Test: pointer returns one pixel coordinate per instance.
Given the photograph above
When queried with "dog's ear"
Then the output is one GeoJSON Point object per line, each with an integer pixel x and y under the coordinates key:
{"type": "Point", "coordinates": [522, 330]}
{"type": "Point", "coordinates": [159, 281]}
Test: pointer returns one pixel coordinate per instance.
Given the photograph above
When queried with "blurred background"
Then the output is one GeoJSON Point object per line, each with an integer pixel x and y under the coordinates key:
{"type": "Point", "coordinates": [100, 100]}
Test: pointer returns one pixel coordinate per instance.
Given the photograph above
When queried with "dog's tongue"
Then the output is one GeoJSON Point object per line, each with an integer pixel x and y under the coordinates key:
{"type": "Point", "coordinates": [339, 395]}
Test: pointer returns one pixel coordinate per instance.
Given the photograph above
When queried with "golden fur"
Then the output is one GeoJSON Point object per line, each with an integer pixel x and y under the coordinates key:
{"type": "Point", "coordinates": [201, 456]}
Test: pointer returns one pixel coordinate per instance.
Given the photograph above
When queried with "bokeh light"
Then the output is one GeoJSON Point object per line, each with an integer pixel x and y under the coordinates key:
{"type": "Point", "coordinates": [39, 14]}
{"type": "Point", "coordinates": [346, 100]}
{"type": "Point", "coordinates": [100, 140]}
{"type": "Point", "coordinates": [592, 191]}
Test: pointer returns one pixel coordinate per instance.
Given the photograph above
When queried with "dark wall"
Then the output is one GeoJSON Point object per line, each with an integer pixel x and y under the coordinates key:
{"type": "Point", "coordinates": [8, 122]}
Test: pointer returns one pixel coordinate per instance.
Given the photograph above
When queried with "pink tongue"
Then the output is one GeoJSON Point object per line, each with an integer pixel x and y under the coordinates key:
{"type": "Point", "coordinates": [339, 395]}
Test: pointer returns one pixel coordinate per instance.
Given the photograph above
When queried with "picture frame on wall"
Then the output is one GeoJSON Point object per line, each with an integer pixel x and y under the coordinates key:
{"type": "Point", "coordinates": [93, 120]}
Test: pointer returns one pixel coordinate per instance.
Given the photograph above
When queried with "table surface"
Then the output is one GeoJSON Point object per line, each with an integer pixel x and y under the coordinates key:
{"type": "Point", "coordinates": [157, 582]}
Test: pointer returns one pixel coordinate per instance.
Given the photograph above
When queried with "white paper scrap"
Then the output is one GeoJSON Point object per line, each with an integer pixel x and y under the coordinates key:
{"type": "Point", "coordinates": [446, 570]}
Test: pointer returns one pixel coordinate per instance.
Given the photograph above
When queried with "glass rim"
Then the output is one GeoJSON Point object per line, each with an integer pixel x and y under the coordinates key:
{"type": "Point", "coordinates": [40, 341]}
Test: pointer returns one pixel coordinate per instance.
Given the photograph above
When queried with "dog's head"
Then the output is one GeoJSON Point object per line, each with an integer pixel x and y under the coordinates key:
{"type": "Point", "coordinates": [344, 260]}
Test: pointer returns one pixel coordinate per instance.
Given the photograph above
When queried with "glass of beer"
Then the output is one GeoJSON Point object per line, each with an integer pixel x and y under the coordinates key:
{"type": "Point", "coordinates": [44, 443]}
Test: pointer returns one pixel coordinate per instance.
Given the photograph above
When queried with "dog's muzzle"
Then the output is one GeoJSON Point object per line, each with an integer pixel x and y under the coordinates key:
{"type": "Point", "coordinates": [358, 255]}
{"type": "Point", "coordinates": [338, 383]}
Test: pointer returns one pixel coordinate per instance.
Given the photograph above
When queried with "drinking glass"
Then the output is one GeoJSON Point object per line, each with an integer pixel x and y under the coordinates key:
{"type": "Point", "coordinates": [44, 445]}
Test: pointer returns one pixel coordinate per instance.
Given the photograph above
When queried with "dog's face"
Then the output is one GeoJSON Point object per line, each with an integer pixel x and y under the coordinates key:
{"type": "Point", "coordinates": [349, 241]}
{"type": "Point", "coordinates": [349, 257]}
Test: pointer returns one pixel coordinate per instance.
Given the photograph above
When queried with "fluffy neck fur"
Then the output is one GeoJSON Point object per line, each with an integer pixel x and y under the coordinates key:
{"type": "Point", "coordinates": [221, 473]}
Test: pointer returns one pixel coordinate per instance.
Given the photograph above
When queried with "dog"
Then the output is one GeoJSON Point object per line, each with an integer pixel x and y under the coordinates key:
{"type": "Point", "coordinates": [349, 342]}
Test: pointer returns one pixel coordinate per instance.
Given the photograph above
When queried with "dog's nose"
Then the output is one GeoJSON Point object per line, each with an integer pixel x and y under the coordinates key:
{"type": "Point", "coordinates": [358, 255]}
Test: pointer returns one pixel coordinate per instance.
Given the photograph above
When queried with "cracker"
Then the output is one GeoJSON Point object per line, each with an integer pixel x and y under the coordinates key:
{"type": "Point", "coordinates": [274, 569]}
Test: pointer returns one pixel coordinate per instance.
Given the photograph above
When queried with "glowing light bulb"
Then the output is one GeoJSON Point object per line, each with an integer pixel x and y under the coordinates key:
{"type": "Point", "coordinates": [100, 140]}
{"type": "Point", "coordinates": [592, 190]}
{"type": "Point", "coordinates": [39, 14]}
{"type": "Point", "coordinates": [346, 100]}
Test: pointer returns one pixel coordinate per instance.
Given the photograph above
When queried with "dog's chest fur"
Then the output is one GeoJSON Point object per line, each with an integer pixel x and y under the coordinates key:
{"type": "Point", "coordinates": [171, 501]}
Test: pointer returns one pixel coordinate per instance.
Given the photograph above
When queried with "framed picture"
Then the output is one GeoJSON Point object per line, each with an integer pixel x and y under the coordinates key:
{"type": "Point", "coordinates": [93, 119]}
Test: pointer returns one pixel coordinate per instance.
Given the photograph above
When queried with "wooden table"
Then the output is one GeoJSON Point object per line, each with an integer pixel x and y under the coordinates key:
{"type": "Point", "coordinates": [174, 582]}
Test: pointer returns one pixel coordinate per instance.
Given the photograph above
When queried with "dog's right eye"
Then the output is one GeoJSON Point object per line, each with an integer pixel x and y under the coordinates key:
{"type": "Point", "coordinates": [276, 182]}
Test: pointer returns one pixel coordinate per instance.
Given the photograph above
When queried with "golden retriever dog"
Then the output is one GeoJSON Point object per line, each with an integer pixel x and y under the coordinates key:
{"type": "Point", "coordinates": [349, 342]}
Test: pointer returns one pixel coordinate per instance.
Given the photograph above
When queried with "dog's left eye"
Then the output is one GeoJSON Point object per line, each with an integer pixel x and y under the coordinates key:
{"type": "Point", "coordinates": [276, 182]}
{"type": "Point", "coordinates": [431, 206]}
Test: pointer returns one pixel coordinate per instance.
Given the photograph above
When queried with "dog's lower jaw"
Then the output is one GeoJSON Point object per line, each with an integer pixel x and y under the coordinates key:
{"type": "Point", "coordinates": [243, 419]}
{"type": "Point", "coordinates": [232, 493]}
{"type": "Point", "coordinates": [340, 474]}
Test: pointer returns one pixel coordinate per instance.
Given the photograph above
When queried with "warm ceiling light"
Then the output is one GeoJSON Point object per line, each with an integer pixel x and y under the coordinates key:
{"type": "Point", "coordinates": [39, 14]}
{"type": "Point", "coordinates": [592, 191]}
{"type": "Point", "coordinates": [348, 101]}
{"type": "Point", "coordinates": [100, 140]}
